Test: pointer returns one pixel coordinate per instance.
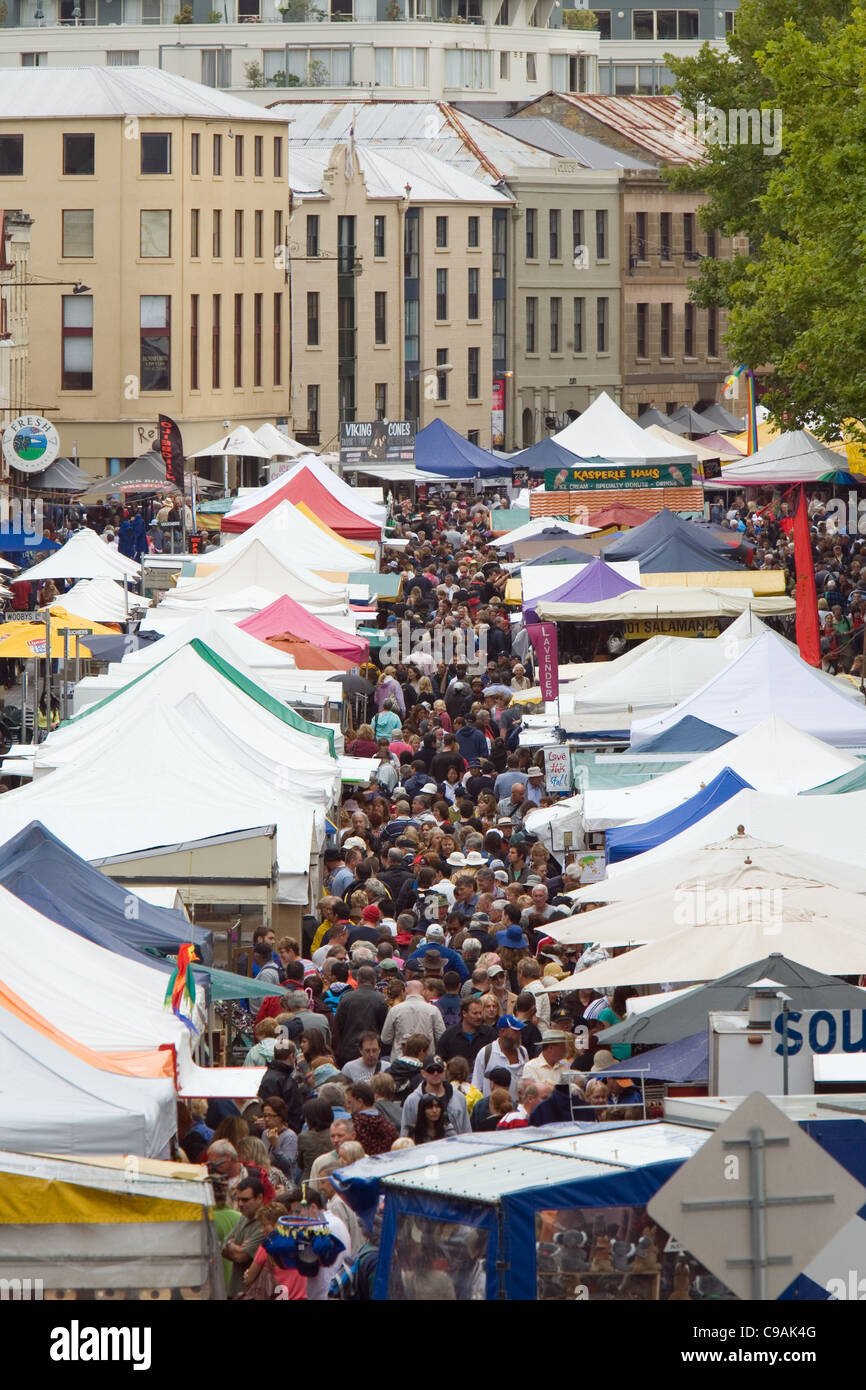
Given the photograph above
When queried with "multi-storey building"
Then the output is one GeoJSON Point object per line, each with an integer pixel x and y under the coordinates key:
{"type": "Point", "coordinates": [162, 202]}
{"type": "Point", "coordinates": [15, 396]}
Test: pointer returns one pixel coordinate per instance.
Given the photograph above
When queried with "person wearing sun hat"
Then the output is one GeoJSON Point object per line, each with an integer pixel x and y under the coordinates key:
{"type": "Point", "coordinates": [435, 941]}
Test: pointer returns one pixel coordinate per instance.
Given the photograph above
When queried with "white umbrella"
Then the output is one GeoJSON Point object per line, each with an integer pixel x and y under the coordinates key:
{"type": "Point", "coordinates": [279, 444]}
{"type": "Point", "coordinates": [238, 443]}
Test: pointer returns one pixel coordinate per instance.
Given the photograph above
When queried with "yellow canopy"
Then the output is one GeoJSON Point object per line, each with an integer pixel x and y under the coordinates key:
{"type": "Point", "coordinates": [850, 448]}
{"type": "Point", "coordinates": [26, 642]}
{"type": "Point", "coordinates": [358, 546]}
{"type": "Point", "coordinates": [766, 432]}
{"type": "Point", "coordinates": [61, 617]}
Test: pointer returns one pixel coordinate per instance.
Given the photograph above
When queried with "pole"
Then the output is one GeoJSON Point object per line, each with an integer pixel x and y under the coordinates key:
{"type": "Point", "coordinates": [48, 667]}
{"type": "Point", "coordinates": [784, 1047]}
{"type": "Point", "coordinates": [126, 595]}
{"type": "Point", "coordinates": [757, 1208]}
{"type": "Point", "coordinates": [25, 694]}
{"type": "Point", "coordinates": [65, 700]}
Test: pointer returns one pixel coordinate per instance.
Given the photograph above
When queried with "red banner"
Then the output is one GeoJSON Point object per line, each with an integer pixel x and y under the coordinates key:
{"type": "Point", "coordinates": [808, 637]}
{"type": "Point", "coordinates": [544, 640]}
{"type": "Point", "coordinates": [171, 448]}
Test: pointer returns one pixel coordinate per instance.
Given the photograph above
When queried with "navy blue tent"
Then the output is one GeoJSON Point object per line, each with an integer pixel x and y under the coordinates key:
{"type": "Point", "coordinates": [546, 454]}
{"type": "Point", "coordinates": [40, 870]}
{"type": "Point", "coordinates": [116, 647]}
{"type": "Point", "coordinates": [680, 1062]}
{"type": "Point", "coordinates": [624, 841]}
{"type": "Point", "coordinates": [560, 555]}
{"type": "Point", "coordinates": [439, 449]}
{"type": "Point", "coordinates": [666, 545]}
{"type": "Point", "coordinates": [688, 735]}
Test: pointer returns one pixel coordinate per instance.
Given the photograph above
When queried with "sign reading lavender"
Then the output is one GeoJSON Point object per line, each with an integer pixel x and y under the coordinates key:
{"type": "Point", "coordinates": [544, 640]}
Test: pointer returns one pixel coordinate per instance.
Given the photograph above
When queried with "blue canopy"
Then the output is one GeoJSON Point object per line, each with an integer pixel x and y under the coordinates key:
{"type": "Point", "coordinates": [679, 1062]}
{"type": "Point", "coordinates": [546, 454]}
{"type": "Point", "coordinates": [40, 870]}
{"type": "Point", "coordinates": [21, 541]}
{"type": "Point", "coordinates": [439, 449]}
{"type": "Point", "coordinates": [560, 555]}
{"type": "Point", "coordinates": [624, 841]}
{"type": "Point", "coordinates": [688, 735]}
{"type": "Point", "coordinates": [119, 645]}
{"type": "Point", "coordinates": [666, 545]}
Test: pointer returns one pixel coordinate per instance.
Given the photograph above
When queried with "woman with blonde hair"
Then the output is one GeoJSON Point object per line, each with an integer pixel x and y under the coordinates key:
{"type": "Point", "coordinates": [490, 1010]}
{"type": "Point", "coordinates": [363, 744]}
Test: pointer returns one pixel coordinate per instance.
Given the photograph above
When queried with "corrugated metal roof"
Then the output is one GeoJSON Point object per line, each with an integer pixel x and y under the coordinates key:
{"type": "Point", "coordinates": [559, 140]}
{"type": "Point", "coordinates": [631, 1146]}
{"type": "Point", "coordinates": [388, 169]}
{"type": "Point", "coordinates": [654, 123]}
{"type": "Point", "coordinates": [45, 93]}
{"type": "Point", "coordinates": [490, 1176]}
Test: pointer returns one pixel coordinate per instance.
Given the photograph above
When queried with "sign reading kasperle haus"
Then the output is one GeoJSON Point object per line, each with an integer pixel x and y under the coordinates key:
{"type": "Point", "coordinates": [618, 479]}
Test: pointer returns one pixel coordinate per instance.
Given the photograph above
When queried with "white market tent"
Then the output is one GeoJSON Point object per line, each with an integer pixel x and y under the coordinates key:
{"type": "Point", "coordinates": [702, 452]}
{"type": "Point", "coordinates": [295, 540]}
{"type": "Point", "coordinates": [536, 580]}
{"type": "Point", "coordinates": [350, 497]}
{"type": "Point", "coordinates": [795, 456]}
{"type": "Point", "coordinates": [234, 607]}
{"type": "Point", "coordinates": [632, 880]}
{"type": "Point", "coordinates": [605, 431]}
{"type": "Point", "coordinates": [261, 567]}
{"type": "Point", "coordinates": [85, 556]}
{"type": "Point", "coordinates": [54, 1101]}
{"type": "Point", "coordinates": [98, 600]}
{"type": "Point", "coordinates": [773, 757]}
{"type": "Point", "coordinates": [539, 528]}
{"type": "Point", "coordinates": [749, 894]}
{"type": "Point", "coordinates": [665, 602]}
{"type": "Point", "coordinates": [769, 677]}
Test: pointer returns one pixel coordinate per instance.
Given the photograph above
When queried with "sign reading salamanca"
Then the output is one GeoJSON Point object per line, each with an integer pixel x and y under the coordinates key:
{"type": "Point", "coordinates": [376, 441]}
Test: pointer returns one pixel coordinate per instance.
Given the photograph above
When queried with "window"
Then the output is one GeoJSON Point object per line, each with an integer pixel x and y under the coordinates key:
{"type": "Point", "coordinates": [193, 342]}
{"type": "Point", "coordinates": [640, 238]}
{"type": "Point", "coordinates": [688, 24]}
{"type": "Point", "coordinates": [78, 232]}
{"type": "Point", "coordinates": [505, 65]}
{"type": "Point", "coordinates": [601, 235]}
{"type": "Point", "coordinates": [665, 236]}
{"type": "Point", "coordinates": [278, 230]}
{"type": "Point", "coordinates": [401, 67]}
{"type": "Point", "coordinates": [601, 325]}
{"type": "Point", "coordinates": [312, 319]}
{"type": "Point", "coordinates": [216, 342]}
{"type": "Point", "coordinates": [313, 409]}
{"type": "Point", "coordinates": [258, 156]}
{"type": "Point", "coordinates": [156, 154]}
{"type": "Point", "coordinates": [441, 233]}
{"type": "Point", "coordinates": [473, 305]}
{"type": "Point", "coordinates": [194, 225]}
{"type": "Point", "coordinates": [195, 154]}
{"type": "Point", "coordinates": [217, 156]}
{"type": "Point", "coordinates": [278, 339]}
{"type": "Point", "coordinates": [40, 60]}
{"type": "Point", "coordinates": [553, 233]}
{"type": "Point", "coordinates": [474, 237]}
{"type": "Point", "coordinates": [239, 233]}
{"type": "Point", "coordinates": [603, 17]}
{"type": "Point", "coordinates": [579, 316]}
{"type": "Point", "coordinates": [411, 258]}
{"type": "Point", "coordinates": [531, 220]}
{"type": "Point", "coordinates": [278, 156]}
{"type": "Point", "coordinates": [379, 236]}
{"type": "Point", "coordinates": [666, 339]}
{"type": "Point", "coordinates": [381, 398]}
{"type": "Point", "coordinates": [689, 330]}
{"type": "Point", "coordinates": [441, 294]}
{"type": "Point", "coordinates": [711, 245]}
{"type": "Point", "coordinates": [77, 343]}
{"type": "Point", "coordinates": [473, 374]}
{"type": "Point", "coordinates": [313, 235]}
{"type": "Point", "coordinates": [155, 233]}
{"type": "Point", "coordinates": [380, 317]}
{"type": "Point", "coordinates": [729, 21]}
{"type": "Point", "coordinates": [642, 24]}
{"type": "Point", "coordinates": [122, 57]}
{"type": "Point", "coordinates": [666, 24]}
{"type": "Point", "coordinates": [500, 244]}
{"type": "Point", "coordinates": [712, 333]}
{"type": "Point", "coordinates": [531, 323]}
{"type": "Point", "coordinates": [257, 339]}
{"type": "Point", "coordinates": [239, 156]}
{"type": "Point", "coordinates": [556, 325]}
{"type": "Point", "coordinates": [319, 67]}
{"type": "Point", "coordinates": [238, 341]}
{"type": "Point", "coordinates": [689, 236]}
{"type": "Point", "coordinates": [258, 234]}
{"type": "Point", "coordinates": [577, 235]}
{"type": "Point", "coordinates": [79, 154]}
{"type": "Point", "coordinates": [530, 67]}
{"type": "Point", "coordinates": [216, 67]}
{"type": "Point", "coordinates": [642, 330]}
{"type": "Point", "coordinates": [217, 234]}
{"type": "Point", "coordinates": [441, 377]}
{"type": "Point", "coordinates": [499, 330]}
{"type": "Point", "coordinates": [468, 67]}
{"type": "Point", "coordinates": [412, 329]}
{"type": "Point", "coordinates": [155, 322]}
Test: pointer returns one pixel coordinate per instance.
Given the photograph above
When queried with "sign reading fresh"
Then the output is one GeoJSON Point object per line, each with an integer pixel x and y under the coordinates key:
{"type": "Point", "coordinates": [617, 479]}
{"type": "Point", "coordinates": [30, 444]}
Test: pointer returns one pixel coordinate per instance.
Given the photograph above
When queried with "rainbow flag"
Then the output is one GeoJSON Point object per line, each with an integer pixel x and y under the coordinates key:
{"type": "Point", "coordinates": [181, 987]}
{"type": "Point", "coordinates": [752, 445]}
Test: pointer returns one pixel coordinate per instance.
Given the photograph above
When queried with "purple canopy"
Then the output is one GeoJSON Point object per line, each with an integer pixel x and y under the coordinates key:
{"type": "Point", "coordinates": [596, 581]}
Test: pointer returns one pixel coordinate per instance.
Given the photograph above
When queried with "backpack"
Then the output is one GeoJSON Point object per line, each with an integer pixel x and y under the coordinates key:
{"type": "Point", "coordinates": [354, 1283]}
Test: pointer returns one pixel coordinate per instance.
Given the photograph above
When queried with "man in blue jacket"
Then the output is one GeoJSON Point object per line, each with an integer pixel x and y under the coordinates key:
{"type": "Point", "coordinates": [470, 739]}
{"type": "Point", "coordinates": [435, 941]}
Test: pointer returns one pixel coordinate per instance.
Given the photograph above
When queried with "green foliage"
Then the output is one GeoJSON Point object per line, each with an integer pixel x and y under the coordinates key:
{"type": "Point", "coordinates": [393, 12]}
{"type": "Point", "coordinates": [214, 17]}
{"type": "Point", "coordinates": [317, 74]}
{"type": "Point", "coordinates": [185, 16]}
{"type": "Point", "coordinates": [254, 74]}
{"type": "Point", "coordinates": [579, 19]}
{"type": "Point", "coordinates": [4, 13]}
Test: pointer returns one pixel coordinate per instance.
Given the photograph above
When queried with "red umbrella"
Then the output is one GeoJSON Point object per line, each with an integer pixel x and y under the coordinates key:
{"type": "Point", "coordinates": [620, 514]}
{"type": "Point", "coordinates": [308, 656]}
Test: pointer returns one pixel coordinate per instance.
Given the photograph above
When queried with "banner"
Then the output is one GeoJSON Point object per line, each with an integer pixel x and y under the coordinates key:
{"type": "Point", "coordinates": [808, 639]}
{"type": "Point", "coordinates": [557, 770]}
{"type": "Point", "coordinates": [171, 448]}
{"type": "Point", "coordinates": [543, 637]}
{"type": "Point", "coordinates": [497, 414]}
{"type": "Point", "coordinates": [379, 441]}
{"type": "Point", "coordinates": [618, 479]}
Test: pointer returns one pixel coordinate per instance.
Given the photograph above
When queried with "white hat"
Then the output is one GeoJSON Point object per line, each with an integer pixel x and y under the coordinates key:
{"type": "Point", "coordinates": [354, 842]}
{"type": "Point", "coordinates": [429, 788]}
{"type": "Point", "coordinates": [500, 875]}
{"type": "Point", "coordinates": [475, 860]}
{"type": "Point", "coordinates": [456, 860]}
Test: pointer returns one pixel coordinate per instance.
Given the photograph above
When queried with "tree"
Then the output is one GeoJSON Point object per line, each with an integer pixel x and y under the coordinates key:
{"type": "Point", "coordinates": [579, 19]}
{"type": "Point", "coordinates": [254, 74]}
{"type": "Point", "coordinates": [794, 297]}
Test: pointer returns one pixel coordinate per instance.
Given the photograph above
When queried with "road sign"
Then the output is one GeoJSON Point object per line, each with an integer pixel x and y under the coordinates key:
{"type": "Point", "coordinates": [758, 1202]}
{"type": "Point", "coordinates": [25, 615]}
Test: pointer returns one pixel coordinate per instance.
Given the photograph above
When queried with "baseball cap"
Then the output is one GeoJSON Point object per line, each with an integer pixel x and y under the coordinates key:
{"type": "Point", "coordinates": [433, 1063]}
{"type": "Point", "coordinates": [435, 933]}
{"type": "Point", "coordinates": [388, 964]}
{"type": "Point", "coordinates": [509, 1021]}
{"type": "Point", "coordinates": [493, 971]}
{"type": "Point", "coordinates": [354, 842]}
{"type": "Point", "coordinates": [500, 875]}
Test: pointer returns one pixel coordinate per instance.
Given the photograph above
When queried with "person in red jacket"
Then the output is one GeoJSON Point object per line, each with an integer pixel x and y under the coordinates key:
{"type": "Point", "coordinates": [373, 1131]}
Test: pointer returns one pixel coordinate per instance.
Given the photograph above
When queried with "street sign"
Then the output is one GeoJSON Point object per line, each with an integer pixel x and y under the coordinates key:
{"type": "Point", "coordinates": [758, 1201]}
{"type": "Point", "coordinates": [27, 615]}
